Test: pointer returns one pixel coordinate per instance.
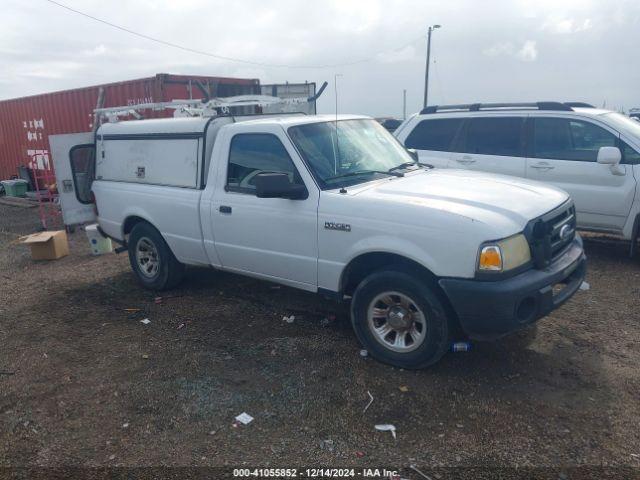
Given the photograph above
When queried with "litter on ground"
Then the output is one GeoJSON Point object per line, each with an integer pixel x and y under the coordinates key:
{"type": "Point", "coordinates": [289, 319]}
{"type": "Point", "coordinates": [146, 321]}
{"type": "Point", "coordinates": [364, 353]}
{"type": "Point", "coordinates": [387, 427]}
{"type": "Point", "coordinates": [370, 401]}
{"type": "Point", "coordinates": [415, 469]}
{"type": "Point", "coordinates": [244, 418]}
{"type": "Point", "coordinates": [584, 286]}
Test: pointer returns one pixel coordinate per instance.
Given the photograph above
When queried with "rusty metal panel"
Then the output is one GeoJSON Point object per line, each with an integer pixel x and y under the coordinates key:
{"type": "Point", "coordinates": [27, 122]}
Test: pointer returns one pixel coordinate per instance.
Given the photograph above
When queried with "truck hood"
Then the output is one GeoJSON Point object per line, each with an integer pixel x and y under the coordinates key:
{"type": "Point", "coordinates": [476, 195]}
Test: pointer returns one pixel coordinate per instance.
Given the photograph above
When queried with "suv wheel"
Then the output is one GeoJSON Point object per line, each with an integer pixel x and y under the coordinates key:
{"type": "Point", "coordinates": [400, 320]}
{"type": "Point", "coordinates": [152, 260]}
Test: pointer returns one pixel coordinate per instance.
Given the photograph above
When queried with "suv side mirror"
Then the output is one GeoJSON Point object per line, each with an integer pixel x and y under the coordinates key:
{"type": "Point", "coordinates": [277, 185]}
{"type": "Point", "coordinates": [609, 155]}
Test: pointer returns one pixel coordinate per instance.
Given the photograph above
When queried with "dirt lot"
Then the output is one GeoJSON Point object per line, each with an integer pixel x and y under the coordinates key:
{"type": "Point", "coordinates": [84, 382]}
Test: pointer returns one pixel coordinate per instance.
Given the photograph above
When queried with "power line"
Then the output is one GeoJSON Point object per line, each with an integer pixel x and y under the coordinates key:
{"type": "Point", "coordinates": [222, 57]}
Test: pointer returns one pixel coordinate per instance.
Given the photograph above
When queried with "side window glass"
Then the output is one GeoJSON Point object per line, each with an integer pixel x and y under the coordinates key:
{"type": "Point", "coordinates": [495, 136]}
{"type": "Point", "coordinates": [83, 168]}
{"type": "Point", "coordinates": [436, 134]}
{"type": "Point", "coordinates": [629, 155]}
{"type": "Point", "coordinates": [254, 153]}
{"type": "Point", "coordinates": [566, 139]}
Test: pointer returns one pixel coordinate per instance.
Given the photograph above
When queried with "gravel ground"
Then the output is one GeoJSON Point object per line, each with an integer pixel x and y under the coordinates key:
{"type": "Point", "coordinates": [85, 383]}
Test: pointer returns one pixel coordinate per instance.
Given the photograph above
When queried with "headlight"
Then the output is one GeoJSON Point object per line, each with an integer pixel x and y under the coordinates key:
{"type": "Point", "coordinates": [504, 255]}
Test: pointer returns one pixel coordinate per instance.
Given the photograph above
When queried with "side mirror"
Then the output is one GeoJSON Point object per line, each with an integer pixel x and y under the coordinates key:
{"type": "Point", "coordinates": [609, 155]}
{"type": "Point", "coordinates": [277, 185]}
{"type": "Point", "coordinates": [414, 154]}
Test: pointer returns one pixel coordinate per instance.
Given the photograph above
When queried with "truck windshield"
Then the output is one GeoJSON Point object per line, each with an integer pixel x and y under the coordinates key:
{"type": "Point", "coordinates": [348, 152]}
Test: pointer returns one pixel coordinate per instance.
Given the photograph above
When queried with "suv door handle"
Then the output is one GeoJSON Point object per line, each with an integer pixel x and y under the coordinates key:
{"type": "Point", "coordinates": [542, 166]}
{"type": "Point", "coordinates": [466, 160]}
{"type": "Point", "coordinates": [225, 209]}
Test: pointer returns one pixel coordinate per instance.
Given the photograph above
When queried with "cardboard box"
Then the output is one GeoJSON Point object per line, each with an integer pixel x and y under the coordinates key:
{"type": "Point", "coordinates": [47, 245]}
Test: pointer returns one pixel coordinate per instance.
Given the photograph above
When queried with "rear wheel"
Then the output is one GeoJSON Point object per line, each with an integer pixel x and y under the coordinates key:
{"type": "Point", "coordinates": [152, 260]}
{"type": "Point", "coordinates": [400, 319]}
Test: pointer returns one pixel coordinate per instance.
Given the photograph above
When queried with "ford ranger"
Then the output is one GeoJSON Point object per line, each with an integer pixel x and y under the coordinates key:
{"type": "Point", "coordinates": [333, 205]}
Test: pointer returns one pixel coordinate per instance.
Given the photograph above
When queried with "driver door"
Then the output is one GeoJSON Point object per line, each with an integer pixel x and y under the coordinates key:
{"type": "Point", "coordinates": [564, 151]}
{"type": "Point", "coordinates": [272, 238]}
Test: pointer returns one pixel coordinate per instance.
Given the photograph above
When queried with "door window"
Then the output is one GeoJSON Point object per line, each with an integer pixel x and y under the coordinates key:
{"type": "Point", "coordinates": [254, 153]}
{"type": "Point", "coordinates": [629, 155]}
{"type": "Point", "coordinates": [435, 134]}
{"type": "Point", "coordinates": [568, 139]}
{"type": "Point", "coordinates": [495, 136]}
{"type": "Point", "coordinates": [83, 168]}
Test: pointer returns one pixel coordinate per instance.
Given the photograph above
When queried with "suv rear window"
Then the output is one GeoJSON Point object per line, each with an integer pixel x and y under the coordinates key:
{"type": "Point", "coordinates": [435, 134]}
{"type": "Point", "coordinates": [495, 136]}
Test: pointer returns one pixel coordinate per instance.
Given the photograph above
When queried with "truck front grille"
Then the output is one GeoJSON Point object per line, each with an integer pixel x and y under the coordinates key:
{"type": "Point", "coordinates": [551, 234]}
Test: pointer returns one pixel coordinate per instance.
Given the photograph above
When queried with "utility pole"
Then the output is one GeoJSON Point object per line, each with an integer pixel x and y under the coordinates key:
{"type": "Point", "coordinates": [426, 70]}
{"type": "Point", "coordinates": [404, 104]}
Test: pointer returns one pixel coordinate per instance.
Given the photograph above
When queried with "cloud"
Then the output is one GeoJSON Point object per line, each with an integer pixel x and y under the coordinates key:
{"type": "Point", "coordinates": [45, 48]}
{"type": "Point", "coordinates": [97, 51]}
{"type": "Point", "coordinates": [405, 54]}
{"type": "Point", "coordinates": [564, 26]}
{"type": "Point", "coordinates": [504, 48]}
{"type": "Point", "coordinates": [528, 52]}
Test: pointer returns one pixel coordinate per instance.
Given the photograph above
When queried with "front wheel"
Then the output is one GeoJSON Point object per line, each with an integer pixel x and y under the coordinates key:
{"type": "Point", "coordinates": [400, 320]}
{"type": "Point", "coordinates": [152, 260]}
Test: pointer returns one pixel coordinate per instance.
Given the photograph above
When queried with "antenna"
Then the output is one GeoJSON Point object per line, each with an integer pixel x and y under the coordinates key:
{"type": "Point", "coordinates": [337, 152]}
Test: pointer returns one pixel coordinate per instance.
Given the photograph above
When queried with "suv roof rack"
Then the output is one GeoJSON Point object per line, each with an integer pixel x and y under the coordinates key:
{"type": "Point", "coordinates": [476, 107]}
{"type": "Point", "coordinates": [579, 105]}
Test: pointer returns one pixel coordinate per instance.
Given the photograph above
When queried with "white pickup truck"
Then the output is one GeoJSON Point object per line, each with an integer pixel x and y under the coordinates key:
{"type": "Point", "coordinates": [333, 205]}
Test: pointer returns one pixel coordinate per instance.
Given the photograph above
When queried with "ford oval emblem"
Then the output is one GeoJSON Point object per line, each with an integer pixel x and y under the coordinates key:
{"type": "Point", "coordinates": [565, 231]}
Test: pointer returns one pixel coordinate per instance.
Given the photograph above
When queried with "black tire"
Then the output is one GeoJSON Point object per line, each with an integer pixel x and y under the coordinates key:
{"type": "Point", "coordinates": [437, 337]}
{"type": "Point", "coordinates": [169, 270]}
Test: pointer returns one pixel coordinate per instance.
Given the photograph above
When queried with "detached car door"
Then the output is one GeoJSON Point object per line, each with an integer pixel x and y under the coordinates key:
{"type": "Point", "coordinates": [74, 161]}
{"type": "Point", "coordinates": [563, 151]}
{"type": "Point", "coordinates": [269, 237]}
{"type": "Point", "coordinates": [491, 144]}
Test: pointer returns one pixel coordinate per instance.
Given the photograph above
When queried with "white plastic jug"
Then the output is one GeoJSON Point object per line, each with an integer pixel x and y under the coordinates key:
{"type": "Point", "coordinates": [99, 244]}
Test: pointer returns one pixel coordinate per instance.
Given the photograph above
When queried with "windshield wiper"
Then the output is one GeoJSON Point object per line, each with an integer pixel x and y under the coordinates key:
{"type": "Point", "coordinates": [365, 172]}
{"type": "Point", "coordinates": [408, 164]}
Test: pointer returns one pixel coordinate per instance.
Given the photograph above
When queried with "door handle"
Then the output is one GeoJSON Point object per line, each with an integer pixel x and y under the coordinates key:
{"type": "Point", "coordinates": [542, 166]}
{"type": "Point", "coordinates": [466, 160]}
{"type": "Point", "coordinates": [225, 209]}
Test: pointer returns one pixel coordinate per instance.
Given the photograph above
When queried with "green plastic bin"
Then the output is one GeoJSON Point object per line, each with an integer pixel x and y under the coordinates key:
{"type": "Point", "coordinates": [15, 188]}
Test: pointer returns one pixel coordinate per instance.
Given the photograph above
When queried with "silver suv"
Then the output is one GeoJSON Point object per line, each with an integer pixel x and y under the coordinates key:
{"type": "Point", "coordinates": [591, 153]}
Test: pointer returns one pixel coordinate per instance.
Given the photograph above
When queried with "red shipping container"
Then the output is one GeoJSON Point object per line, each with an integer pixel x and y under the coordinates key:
{"type": "Point", "coordinates": [27, 122]}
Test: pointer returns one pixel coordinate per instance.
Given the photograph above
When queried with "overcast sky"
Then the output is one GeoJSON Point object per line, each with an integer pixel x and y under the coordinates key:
{"type": "Point", "coordinates": [512, 50]}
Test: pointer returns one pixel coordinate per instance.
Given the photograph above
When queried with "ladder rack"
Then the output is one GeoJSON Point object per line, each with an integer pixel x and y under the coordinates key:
{"type": "Point", "coordinates": [204, 107]}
